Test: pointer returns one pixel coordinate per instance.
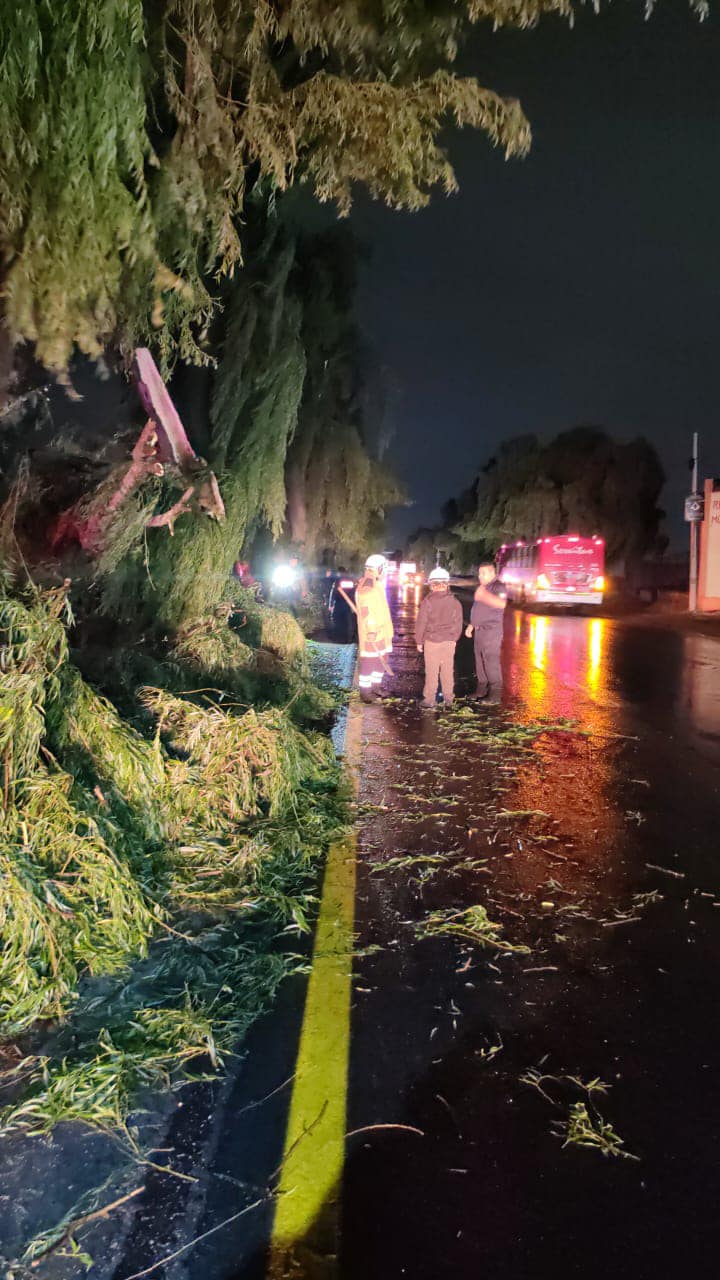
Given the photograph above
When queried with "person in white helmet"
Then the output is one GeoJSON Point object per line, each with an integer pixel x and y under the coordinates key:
{"type": "Point", "coordinates": [375, 628]}
{"type": "Point", "coordinates": [438, 628]}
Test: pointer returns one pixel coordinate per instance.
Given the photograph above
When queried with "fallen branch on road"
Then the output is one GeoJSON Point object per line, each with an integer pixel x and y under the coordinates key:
{"type": "Point", "coordinates": [582, 1129]}
{"type": "Point", "coordinates": [472, 924]}
{"type": "Point", "coordinates": [43, 1246]}
{"type": "Point", "coordinates": [369, 1128]}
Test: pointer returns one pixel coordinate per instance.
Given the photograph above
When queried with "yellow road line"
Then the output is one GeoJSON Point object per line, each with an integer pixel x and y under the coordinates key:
{"type": "Point", "coordinates": [306, 1222]}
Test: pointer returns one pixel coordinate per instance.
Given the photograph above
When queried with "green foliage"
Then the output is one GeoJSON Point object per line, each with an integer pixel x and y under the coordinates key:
{"type": "Point", "coordinates": [120, 1049]}
{"type": "Point", "coordinates": [131, 135]}
{"type": "Point", "coordinates": [178, 581]}
{"type": "Point", "coordinates": [471, 924]}
{"type": "Point", "coordinates": [106, 835]}
{"type": "Point", "coordinates": [233, 635]}
{"type": "Point", "coordinates": [287, 439]}
{"type": "Point", "coordinates": [127, 133]}
{"type": "Point", "coordinates": [68, 903]}
{"type": "Point", "coordinates": [211, 645]}
{"type": "Point", "coordinates": [584, 1125]}
{"type": "Point", "coordinates": [33, 649]}
{"type": "Point", "coordinates": [73, 151]}
{"type": "Point", "coordinates": [256, 653]}
{"type": "Point", "coordinates": [258, 385]}
{"type": "Point", "coordinates": [246, 763]}
{"type": "Point", "coordinates": [337, 491]}
{"type": "Point", "coordinates": [92, 737]}
{"type": "Point", "coordinates": [279, 632]}
{"type": "Point", "coordinates": [455, 554]}
{"type": "Point", "coordinates": [586, 1129]}
{"type": "Point", "coordinates": [582, 481]}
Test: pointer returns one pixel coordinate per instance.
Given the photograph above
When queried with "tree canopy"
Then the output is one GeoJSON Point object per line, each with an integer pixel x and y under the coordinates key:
{"type": "Point", "coordinates": [288, 437]}
{"type": "Point", "coordinates": [582, 481]}
{"type": "Point", "coordinates": [131, 132]}
{"type": "Point", "coordinates": [337, 488]}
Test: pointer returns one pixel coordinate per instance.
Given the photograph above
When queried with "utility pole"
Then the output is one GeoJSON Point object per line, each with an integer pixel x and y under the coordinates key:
{"type": "Point", "coordinates": [694, 532]}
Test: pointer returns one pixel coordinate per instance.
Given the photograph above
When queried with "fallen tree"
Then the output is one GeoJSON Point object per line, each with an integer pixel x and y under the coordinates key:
{"type": "Point", "coordinates": [151, 785]}
{"type": "Point", "coordinates": [205, 826]}
{"type": "Point", "coordinates": [162, 448]}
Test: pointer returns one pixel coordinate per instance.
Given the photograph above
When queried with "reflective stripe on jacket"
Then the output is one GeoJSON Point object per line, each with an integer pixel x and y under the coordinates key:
{"type": "Point", "coordinates": [375, 628]}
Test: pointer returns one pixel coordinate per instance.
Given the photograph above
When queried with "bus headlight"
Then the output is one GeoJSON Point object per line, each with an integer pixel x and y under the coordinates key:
{"type": "Point", "coordinates": [599, 584]}
{"type": "Point", "coordinates": [542, 582]}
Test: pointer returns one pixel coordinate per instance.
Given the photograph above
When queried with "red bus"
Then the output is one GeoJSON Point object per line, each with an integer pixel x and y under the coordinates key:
{"type": "Point", "coordinates": [560, 569]}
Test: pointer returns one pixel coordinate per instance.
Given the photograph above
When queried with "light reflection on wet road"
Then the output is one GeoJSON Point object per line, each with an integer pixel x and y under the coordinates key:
{"type": "Point", "coordinates": [614, 885]}
{"type": "Point", "coordinates": [620, 984]}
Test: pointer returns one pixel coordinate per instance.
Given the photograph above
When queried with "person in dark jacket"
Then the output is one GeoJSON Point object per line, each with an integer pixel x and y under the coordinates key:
{"type": "Point", "coordinates": [438, 628]}
{"type": "Point", "coordinates": [486, 628]}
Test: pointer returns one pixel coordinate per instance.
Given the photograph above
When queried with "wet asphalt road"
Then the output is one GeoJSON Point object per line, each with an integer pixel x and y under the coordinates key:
{"type": "Point", "coordinates": [617, 986]}
{"type": "Point", "coordinates": [613, 885]}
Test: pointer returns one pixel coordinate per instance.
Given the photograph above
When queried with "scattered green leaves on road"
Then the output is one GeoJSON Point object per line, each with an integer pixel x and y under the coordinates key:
{"type": "Point", "coordinates": [581, 1129]}
{"type": "Point", "coordinates": [472, 924]}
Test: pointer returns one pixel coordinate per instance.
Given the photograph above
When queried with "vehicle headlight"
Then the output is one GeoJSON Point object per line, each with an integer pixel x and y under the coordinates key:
{"type": "Point", "coordinates": [283, 576]}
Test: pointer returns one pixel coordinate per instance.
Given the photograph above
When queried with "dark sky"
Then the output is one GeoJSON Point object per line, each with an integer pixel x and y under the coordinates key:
{"type": "Point", "coordinates": [581, 285]}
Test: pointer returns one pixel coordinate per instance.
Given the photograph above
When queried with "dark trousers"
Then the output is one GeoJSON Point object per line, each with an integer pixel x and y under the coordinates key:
{"type": "Point", "coordinates": [488, 643]}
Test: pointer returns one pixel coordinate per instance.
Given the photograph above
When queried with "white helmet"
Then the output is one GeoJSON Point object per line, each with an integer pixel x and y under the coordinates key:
{"type": "Point", "coordinates": [439, 575]}
{"type": "Point", "coordinates": [377, 564]}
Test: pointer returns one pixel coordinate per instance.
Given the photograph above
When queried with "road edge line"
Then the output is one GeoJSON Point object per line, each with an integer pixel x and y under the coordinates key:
{"type": "Point", "coordinates": [307, 1209]}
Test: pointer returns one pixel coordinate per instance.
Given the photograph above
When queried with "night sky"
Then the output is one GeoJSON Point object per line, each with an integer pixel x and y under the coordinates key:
{"type": "Point", "coordinates": [580, 285]}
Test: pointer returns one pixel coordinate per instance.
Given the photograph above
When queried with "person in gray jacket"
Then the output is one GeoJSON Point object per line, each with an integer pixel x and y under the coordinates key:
{"type": "Point", "coordinates": [486, 626]}
{"type": "Point", "coordinates": [438, 628]}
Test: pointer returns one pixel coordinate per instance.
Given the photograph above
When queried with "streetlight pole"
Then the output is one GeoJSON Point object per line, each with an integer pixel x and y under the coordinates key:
{"type": "Point", "coordinates": [694, 532]}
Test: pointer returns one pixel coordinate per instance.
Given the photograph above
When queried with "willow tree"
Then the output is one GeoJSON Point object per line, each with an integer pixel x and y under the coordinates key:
{"type": "Point", "coordinates": [581, 481]}
{"type": "Point", "coordinates": [288, 433]}
{"type": "Point", "coordinates": [256, 388]}
{"type": "Point", "coordinates": [131, 134]}
{"type": "Point", "coordinates": [337, 488]}
{"type": "Point", "coordinates": [132, 130]}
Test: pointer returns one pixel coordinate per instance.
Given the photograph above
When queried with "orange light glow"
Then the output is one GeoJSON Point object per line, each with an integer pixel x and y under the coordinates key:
{"type": "Point", "coordinates": [538, 640]}
{"type": "Point", "coordinates": [537, 676]}
{"type": "Point", "coordinates": [542, 582]}
{"type": "Point", "coordinates": [595, 653]}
